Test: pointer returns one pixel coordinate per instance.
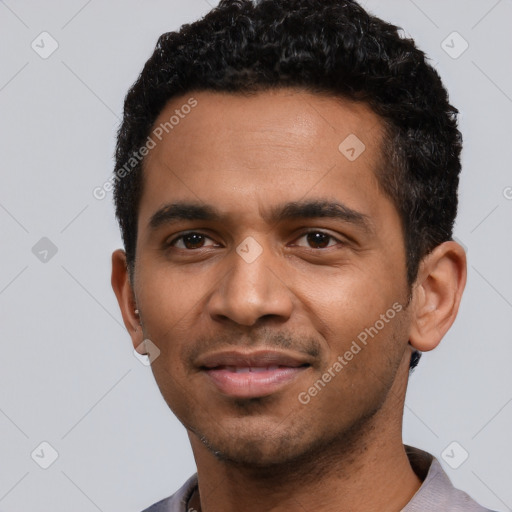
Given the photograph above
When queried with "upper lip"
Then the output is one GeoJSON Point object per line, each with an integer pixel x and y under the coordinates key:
{"type": "Point", "coordinates": [260, 358]}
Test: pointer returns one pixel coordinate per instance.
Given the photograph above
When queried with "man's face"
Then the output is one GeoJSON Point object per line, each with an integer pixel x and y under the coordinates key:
{"type": "Point", "coordinates": [304, 256]}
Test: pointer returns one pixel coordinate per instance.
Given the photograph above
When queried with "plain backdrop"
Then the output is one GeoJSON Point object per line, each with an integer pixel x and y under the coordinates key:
{"type": "Point", "coordinates": [68, 376]}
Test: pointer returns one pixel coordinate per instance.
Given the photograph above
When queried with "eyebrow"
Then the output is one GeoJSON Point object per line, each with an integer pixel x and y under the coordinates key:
{"type": "Point", "coordinates": [192, 211]}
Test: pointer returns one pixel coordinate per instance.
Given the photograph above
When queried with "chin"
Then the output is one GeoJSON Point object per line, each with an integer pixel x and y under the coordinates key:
{"type": "Point", "coordinates": [272, 448]}
{"type": "Point", "coordinates": [258, 448]}
{"type": "Point", "coordinates": [254, 454]}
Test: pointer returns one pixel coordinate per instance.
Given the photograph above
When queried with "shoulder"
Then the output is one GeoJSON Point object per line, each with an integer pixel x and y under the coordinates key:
{"type": "Point", "coordinates": [178, 501]}
{"type": "Point", "coordinates": [437, 492]}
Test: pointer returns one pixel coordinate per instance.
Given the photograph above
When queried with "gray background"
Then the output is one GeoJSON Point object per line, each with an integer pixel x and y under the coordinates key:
{"type": "Point", "coordinates": [68, 375]}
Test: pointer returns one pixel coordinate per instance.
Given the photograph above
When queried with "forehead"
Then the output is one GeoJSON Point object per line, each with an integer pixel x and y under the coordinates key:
{"type": "Point", "coordinates": [231, 148]}
{"type": "Point", "coordinates": [292, 117]}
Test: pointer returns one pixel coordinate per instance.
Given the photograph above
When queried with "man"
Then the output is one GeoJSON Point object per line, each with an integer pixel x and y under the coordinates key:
{"type": "Point", "coordinates": [286, 186]}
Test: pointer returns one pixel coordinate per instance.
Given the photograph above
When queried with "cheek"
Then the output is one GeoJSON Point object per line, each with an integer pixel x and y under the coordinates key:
{"type": "Point", "coordinates": [171, 297]}
{"type": "Point", "coordinates": [343, 302]}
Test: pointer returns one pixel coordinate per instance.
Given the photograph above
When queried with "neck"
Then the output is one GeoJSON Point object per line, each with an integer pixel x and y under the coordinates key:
{"type": "Point", "coordinates": [367, 469]}
{"type": "Point", "coordinates": [371, 482]}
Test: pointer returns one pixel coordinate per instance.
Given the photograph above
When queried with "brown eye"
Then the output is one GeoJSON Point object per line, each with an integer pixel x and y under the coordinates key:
{"type": "Point", "coordinates": [190, 241]}
{"type": "Point", "coordinates": [318, 240]}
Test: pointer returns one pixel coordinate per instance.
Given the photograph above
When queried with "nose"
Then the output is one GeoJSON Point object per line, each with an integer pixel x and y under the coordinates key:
{"type": "Point", "coordinates": [250, 291]}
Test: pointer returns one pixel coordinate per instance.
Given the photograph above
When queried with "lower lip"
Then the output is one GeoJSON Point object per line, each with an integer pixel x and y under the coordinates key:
{"type": "Point", "coordinates": [252, 384]}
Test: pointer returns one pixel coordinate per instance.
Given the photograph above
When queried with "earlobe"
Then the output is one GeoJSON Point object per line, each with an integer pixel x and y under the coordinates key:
{"type": "Point", "coordinates": [437, 294]}
{"type": "Point", "coordinates": [125, 296]}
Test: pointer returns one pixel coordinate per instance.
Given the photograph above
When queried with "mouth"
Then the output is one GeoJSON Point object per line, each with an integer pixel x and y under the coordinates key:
{"type": "Point", "coordinates": [252, 375]}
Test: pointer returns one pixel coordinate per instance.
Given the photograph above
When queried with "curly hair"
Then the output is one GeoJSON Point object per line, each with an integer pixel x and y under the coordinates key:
{"type": "Point", "coordinates": [329, 47]}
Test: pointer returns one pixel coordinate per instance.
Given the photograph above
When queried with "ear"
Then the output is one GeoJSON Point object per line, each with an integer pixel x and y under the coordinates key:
{"type": "Point", "coordinates": [126, 298]}
{"type": "Point", "coordinates": [437, 293]}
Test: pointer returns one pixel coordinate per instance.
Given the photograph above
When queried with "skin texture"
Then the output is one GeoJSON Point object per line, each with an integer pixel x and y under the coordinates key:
{"type": "Point", "coordinates": [245, 156]}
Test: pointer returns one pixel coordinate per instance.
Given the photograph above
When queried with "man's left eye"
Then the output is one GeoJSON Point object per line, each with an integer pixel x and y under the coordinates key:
{"type": "Point", "coordinates": [318, 240]}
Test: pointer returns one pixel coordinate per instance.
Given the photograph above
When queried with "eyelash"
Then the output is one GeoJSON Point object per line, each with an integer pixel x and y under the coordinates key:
{"type": "Point", "coordinates": [172, 242]}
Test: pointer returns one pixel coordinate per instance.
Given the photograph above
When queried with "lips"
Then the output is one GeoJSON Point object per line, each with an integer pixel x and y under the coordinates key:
{"type": "Point", "coordinates": [251, 374]}
{"type": "Point", "coordinates": [246, 369]}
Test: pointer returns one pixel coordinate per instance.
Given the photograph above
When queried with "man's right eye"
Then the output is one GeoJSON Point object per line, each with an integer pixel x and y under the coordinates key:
{"type": "Point", "coordinates": [191, 240]}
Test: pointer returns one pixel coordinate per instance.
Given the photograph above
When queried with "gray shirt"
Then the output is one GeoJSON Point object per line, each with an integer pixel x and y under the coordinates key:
{"type": "Point", "coordinates": [435, 494]}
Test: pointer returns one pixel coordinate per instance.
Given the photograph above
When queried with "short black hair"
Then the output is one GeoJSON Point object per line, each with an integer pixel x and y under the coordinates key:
{"type": "Point", "coordinates": [331, 47]}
